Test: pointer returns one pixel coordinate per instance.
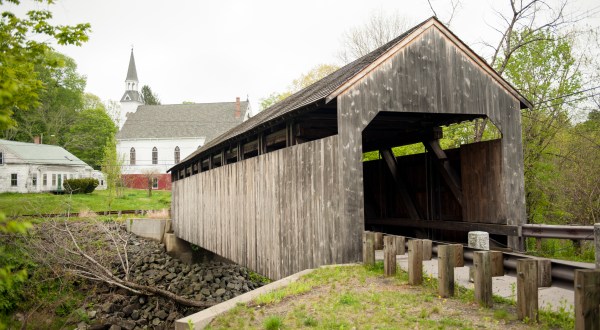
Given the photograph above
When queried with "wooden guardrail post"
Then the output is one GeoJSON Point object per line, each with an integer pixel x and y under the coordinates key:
{"type": "Point", "coordinates": [368, 248]}
{"type": "Point", "coordinates": [415, 262]}
{"type": "Point", "coordinates": [459, 259]}
{"type": "Point", "coordinates": [587, 299]}
{"type": "Point", "coordinates": [597, 243]}
{"type": "Point", "coordinates": [497, 263]}
{"type": "Point", "coordinates": [400, 245]}
{"type": "Point", "coordinates": [446, 261]}
{"type": "Point", "coordinates": [389, 255]}
{"type": "Point", "coordinates": [427, 249]}
{"type": "Point", "coordinates": [544, 270]}
{"type": "Point", "coordinates": [378, 241]}
{"type": "Point", "coordinates": [482, 278]}
{"type": "Point", "coordinates": [527, 289]}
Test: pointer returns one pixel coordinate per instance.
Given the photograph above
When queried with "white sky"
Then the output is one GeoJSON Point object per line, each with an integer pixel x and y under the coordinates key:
{"type": "Point", "coordinates": [213, 51]}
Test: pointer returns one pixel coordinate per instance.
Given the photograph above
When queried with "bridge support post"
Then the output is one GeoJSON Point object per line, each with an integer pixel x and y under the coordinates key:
{"type": "Point", "coordinates": [527, 289]}
{"type": "Point", "coordinates": [427, 249]}
{"type": "Point", "coordinates": [415, 262]}
{"type": "Point", "coordinates": [389, 255]}
{"type": "Point", "coordinates": [483, 278]}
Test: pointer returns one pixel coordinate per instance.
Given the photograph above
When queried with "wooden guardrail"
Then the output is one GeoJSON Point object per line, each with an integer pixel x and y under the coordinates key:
{"type": "Point", "coordinates": [555, 231]}
{"type": "Point", "coordinates": [532, 273]}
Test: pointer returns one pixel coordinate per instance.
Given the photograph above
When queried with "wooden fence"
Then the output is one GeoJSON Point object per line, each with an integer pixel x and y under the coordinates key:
{"type": "Point", "coordinates": [531, 274]}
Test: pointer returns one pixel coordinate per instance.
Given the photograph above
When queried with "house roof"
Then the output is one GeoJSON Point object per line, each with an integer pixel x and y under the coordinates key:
{"type": "Point", "coordinates": [45, 154]}
{"type": "Point", "coordinates": [332, 85]}
{"type": "Point", "coordinates": [181, 120]}
{"type": "Point", "coordinates": [131, 71]}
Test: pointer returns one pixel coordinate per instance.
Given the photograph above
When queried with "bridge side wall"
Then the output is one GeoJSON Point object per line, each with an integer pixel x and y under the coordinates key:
{"type": "Point", "coordinates": [276, 214]}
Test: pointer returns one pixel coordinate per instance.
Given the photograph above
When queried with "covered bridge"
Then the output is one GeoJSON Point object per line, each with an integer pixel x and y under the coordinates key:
{"type": "Point", "coordinates": [288, 189]}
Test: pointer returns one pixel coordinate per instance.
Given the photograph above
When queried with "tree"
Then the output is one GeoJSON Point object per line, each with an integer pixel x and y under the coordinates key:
{"type": "Point", "coordinates": [150, 175]}
{"type": "Point", "coordinates": [20, 53]}
{"type": "Point", "coordinates": [149, 97]}
{"type": "Point", "coordinates": [376, 32]}
{"type": "Point", "coordinates": [90, 132]}
{"type": "Point", "coordinates": [19, 83]}
{"type": "Point", "coordinates": [315, 74]}
{"type": "Point", "coordinates": [111, 167]}
{"type": "Point", "coordinates": [58, 103]}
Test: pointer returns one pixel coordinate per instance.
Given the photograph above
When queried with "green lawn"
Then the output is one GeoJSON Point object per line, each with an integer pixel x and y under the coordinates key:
{"type": "Point", "coordinates": [20, 204]}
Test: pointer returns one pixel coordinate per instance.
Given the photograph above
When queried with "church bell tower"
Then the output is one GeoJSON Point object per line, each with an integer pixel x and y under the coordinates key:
{"type": "Point", "coordinates": [131, 98]}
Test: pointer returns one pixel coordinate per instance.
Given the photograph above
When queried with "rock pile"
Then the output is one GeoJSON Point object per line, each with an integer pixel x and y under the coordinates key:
{"type": "Point", "coordinates": [212, 281]}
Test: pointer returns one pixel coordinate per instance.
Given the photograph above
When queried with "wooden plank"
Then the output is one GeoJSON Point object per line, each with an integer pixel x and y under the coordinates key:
{"type": "Point", "coordinates": [448, 225]}
{"type": "Point", "coordinates": [497, 263]}
{"type": "Point", "coordinates": [427, 249]}
{"type": "Point", "coordinates": [527, 290]}
{"type": "Point", "coordinates": [459, 260]}
{"type": "Point", "coordinates": [400, 245]}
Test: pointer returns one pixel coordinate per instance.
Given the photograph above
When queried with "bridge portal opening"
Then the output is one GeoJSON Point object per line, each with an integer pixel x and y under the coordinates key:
{"type": "Point", "coordinates": [425, 176]}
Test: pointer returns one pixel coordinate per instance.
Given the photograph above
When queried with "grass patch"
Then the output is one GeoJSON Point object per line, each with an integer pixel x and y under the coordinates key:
{"type": "Point", "coordinates": [362, 298]}
{"type": "Point", "coordinates": [13, 204]}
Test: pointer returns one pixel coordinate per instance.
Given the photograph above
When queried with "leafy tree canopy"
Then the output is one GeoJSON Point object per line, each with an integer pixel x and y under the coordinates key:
{"type": "Point", "coordinates": [149, 97]}
{"type": "Point", "coordinates": [315, 74]}
{"type": "Point", "coordinates": [20, 53]}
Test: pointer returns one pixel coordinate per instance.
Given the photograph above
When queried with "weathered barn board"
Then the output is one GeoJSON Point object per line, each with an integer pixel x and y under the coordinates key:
{"type": "Point", "coordinates": [263, 212]}
{"type": "Point", "coordinates": [429, 75]}
{"type": "Point", "coordinates": [481, 165]}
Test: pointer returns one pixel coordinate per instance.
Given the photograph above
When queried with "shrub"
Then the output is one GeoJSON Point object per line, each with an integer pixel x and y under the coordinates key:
{"type": "Point", "coordinates": [80, 186]}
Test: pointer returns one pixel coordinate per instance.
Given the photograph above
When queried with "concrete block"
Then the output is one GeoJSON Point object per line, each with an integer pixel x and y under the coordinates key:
{"type": "Point", "coordinates": [479, 240]}
{"type": "Point", "coordinates": [147, 228]}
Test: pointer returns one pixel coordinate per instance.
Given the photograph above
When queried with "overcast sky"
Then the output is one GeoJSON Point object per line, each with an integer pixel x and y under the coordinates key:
{"type": "Point", "coordinates": [213, 51]}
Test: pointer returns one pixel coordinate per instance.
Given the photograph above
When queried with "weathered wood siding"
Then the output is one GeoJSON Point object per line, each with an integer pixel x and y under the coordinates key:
{"type": "Point", "coordinates": [277, 213]}
{"type": "Point", "coordinates": [429, 75]}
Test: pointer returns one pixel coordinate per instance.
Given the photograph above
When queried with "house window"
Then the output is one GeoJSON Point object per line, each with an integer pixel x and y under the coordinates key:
{"type": "Point", "coordinates": [44, 179]}
{"type": "Point", "coordinates": [177, 153]}
{"type": "Point", "coordinates": [154, 156]}
{"type": "Point", "coordinates": [53, 179]}
{"type": "Point", "coordinates": [132, 156]}
{"type": "Point", "coordinates": [34, 180]}
{"type": "Point", "coordinates": [13, 179]}
{"type": "Point", "coordinates": [154, 183]}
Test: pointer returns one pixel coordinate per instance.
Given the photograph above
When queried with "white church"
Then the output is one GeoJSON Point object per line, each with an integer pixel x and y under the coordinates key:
{"type": "Point", "coordinates": [153, 138]}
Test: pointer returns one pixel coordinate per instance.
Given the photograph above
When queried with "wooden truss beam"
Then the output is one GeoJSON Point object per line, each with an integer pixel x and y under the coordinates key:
{"type": "Point", "coordinates": [448, 173]}
{"type": "Point", "coordinates": [497, 229]}
{"type": "Point", "coordinates": [401, 185]}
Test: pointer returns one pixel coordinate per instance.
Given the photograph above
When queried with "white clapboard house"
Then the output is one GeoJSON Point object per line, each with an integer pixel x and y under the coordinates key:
{"type": "Point", "coordinates": [31, 167]}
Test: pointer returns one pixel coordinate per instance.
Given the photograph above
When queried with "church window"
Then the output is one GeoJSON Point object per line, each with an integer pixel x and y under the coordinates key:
{"type": "Point", "coordinates": [34, 179]}
{"type": "Point", "coordinates": [154, 156]}
{"type": "Point", "coordinates": [45, 179]}
{"type": "Point", "coordinates": [13, 179]}
{"type": "Point", "coordinates": [177, 155]}
{"type": "Point", "coordinates": [132, 156]}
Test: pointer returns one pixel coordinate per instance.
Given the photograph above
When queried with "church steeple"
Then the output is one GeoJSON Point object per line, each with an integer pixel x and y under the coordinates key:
{"type": "Point", "coordinates": [132, 98]}
{"type": "Point", "coordinates": [132, 80]}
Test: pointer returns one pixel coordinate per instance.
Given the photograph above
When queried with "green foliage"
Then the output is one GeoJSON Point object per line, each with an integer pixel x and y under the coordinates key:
{"type": "Point", "coordinates": [273, 322]}
{"type": "Point", "coordinates": [111, 167]}
{"type": "Point", "coordinates": [149, 97]}
{"type": "Point", "coordinates": [544, 70]}
{"type": "Point", "coordinates": [315, 74]}
{"type": "Point", "coordinates": [91, 132]}
{"type": "Point", "coordinates": [257, 278]}
{"type": "Point", "coordinates": [20, 53]}
{"type": "Point", "coordinates": [80, 186]}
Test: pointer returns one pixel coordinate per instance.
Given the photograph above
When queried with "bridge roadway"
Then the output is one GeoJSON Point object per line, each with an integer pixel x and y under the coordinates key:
{"type": "Point", "coordinates": [504, 286]}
